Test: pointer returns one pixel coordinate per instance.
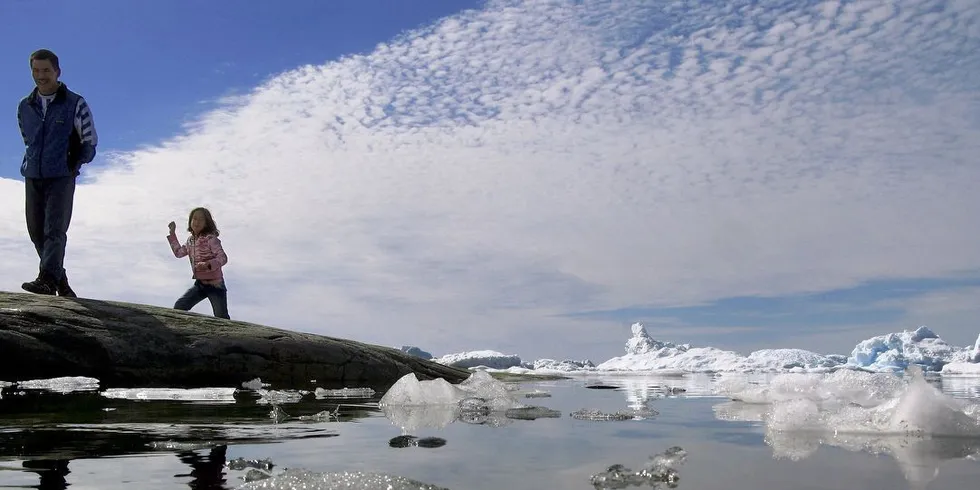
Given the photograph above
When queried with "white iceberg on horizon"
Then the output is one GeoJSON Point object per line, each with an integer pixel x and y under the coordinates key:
{"type": "Point", "coordinates": [486, 358]}
{"type": "Point", "coordinates": [643, 353]}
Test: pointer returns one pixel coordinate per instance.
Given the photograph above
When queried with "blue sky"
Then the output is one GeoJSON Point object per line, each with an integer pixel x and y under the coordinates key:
{"type": "Point", "coordinates": [149, 66]}
{"type": "Point", "coordinates": [527, 176]}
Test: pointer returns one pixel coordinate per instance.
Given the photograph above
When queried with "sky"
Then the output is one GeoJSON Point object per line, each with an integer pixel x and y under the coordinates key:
{"type": "Point", "coordinates": [526, 176]}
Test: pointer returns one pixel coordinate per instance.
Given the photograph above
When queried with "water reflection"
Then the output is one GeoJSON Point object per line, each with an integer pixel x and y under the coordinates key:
{"type": "Point", "coordinates": [207, 472]}
{"type": "Point", "coordinates": [919, 457]}
{"type": "Point", "coordinates": [43, 436]}
{"type": "Point", "coordinates": [51, 473]}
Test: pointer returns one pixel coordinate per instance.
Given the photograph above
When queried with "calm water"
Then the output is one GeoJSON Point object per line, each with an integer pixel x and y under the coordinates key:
{"type": "Point", "coordinates": [85, 441]}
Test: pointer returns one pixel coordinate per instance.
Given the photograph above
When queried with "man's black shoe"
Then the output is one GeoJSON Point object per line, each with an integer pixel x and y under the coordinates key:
{"type": "Point", "coordinates": [41, 285]}
{"type": "Point", "coordinates": [64, 290]}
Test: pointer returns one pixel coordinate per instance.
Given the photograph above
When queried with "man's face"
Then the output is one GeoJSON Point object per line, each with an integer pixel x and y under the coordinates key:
{"type": "Point", "coordinates": [45, 76]}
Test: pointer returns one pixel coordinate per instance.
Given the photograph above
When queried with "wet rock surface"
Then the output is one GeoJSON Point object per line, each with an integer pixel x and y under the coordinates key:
{"type": "Point", "coordinates": [133, 345]}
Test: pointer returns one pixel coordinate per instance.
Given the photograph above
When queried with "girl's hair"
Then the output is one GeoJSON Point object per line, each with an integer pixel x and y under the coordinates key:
{"type": "Point", "coordinates": [210, 227]}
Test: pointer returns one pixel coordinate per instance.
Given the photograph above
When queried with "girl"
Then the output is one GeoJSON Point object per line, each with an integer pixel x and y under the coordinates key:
{"type": "Point", "coordinates": [207, 257]}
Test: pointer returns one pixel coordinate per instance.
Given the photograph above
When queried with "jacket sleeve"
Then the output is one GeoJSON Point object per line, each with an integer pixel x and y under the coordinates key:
{"type": "Point", "coordinates": [178, 249]}
{"type": "Point", "coordinates": [20, 122]}
{"type": "Point", "coordinates": [85, 127]}
{"type": "Point", "coordinates": [220, 258]}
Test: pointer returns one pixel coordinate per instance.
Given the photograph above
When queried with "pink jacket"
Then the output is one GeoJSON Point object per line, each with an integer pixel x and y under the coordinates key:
{"type": "Point", "coordinates": [205, 248]}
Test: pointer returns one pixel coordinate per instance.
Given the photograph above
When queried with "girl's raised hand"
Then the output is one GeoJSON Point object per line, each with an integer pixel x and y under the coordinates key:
{"type": "Point", "coordinates": [172, 226]}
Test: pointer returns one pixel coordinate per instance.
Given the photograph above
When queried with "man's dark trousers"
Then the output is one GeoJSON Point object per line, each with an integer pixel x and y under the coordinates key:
{"type": "Point", "coordinates": [48, 210]}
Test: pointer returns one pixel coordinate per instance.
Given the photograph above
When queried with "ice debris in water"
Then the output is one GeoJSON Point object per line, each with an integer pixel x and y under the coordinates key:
{"type": "Point", "coordinates": [537, 394]}
{"type": "Point", "coordinates": [409, 391]}
{"type": "Point", "coordinates": [347, 480]}
{"type": "Point", "coordinates": [597, 416]}
{"type": "Point", "coordinates": [255, 384]}
{"type": "Point", "coordinates": [412, 441]}
{"type": "Point", "coordinates": [226, 395]}
{"type": "Point", "coordinates": [278, 415]}
{"type": "Point", "coordinates": [276, 397]}
{"type": "Point", "coordinates": [345, 393]}
{"type": "Point", "coordinates": [239, 464]}
{"type": "Point", "coordinates": [662, 468]}
{"type": "Point", "coordinates": [531, 413]}
{"type": "Point", "coordinates": [61, 385]}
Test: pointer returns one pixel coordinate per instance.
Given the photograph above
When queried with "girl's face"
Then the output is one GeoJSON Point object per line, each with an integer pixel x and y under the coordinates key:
{"type": "Point", "coordinates": [197, 222]}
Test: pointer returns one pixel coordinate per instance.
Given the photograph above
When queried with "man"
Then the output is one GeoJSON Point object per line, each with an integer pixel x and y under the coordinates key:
{"type": "Point", "coordinates": [59, 133]}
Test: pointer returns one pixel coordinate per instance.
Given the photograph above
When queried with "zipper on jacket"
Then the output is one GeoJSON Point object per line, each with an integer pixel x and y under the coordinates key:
{"type": "Point", "coordinates": [40, 154]}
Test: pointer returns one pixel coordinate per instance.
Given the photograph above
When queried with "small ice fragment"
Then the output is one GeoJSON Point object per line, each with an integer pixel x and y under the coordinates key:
{"type": "Point", "coordinates": [278, 415]}
{"type": "Point", "coordinates": [597, 416]}
{"type": "Point", "coordinates": [322, 416]}
{"type": "Point", "coordinates": [404, 441]}
{"type": "Point", "coordinates": [345, 393]}
{"type": "Point", "coordinates": [537, 394]}
{"type": "Point", "coordinates": [255, 474]}
{"type": "Point", "coordinates": [180, 446]}
{"type": "Point", "coordinates": [661, 469]}
{"type": "Point", "coordinates": [189, 394]}
{"type": "Point", "coordinates": [255, 385]}
{"type": "Point", "coordinates": [277, 396]}
{"type": "Point", "coordinates": [531, 413]}
{"type": "Point", "coordinates": [239, 464]}
{"type": "Point", "coordinates": [61, 385]}
{"type": "Point", "coordinates": [351, 480]}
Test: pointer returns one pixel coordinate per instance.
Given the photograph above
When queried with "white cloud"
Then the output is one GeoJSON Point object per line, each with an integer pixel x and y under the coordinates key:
{"type": "Point", "coordinates": [462, 184]}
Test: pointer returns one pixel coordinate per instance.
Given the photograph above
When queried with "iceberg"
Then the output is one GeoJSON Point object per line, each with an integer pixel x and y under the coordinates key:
{"type": "Point", "coordinates": [893, 352]}
{"type": "Point", "coordinates": [897, 351]}
{"type": "Point", "coordinates": [488, 358]}
{"type": "Point", "coordinates": [643, 353]}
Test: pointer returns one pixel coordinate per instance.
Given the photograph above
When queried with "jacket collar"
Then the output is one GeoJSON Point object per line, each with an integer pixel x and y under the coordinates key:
{"type": "Point", "coordinates": [59, 94]}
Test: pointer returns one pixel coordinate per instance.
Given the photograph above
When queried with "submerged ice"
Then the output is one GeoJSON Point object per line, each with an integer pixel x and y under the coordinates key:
{"type": "Point", "coordinates": [881, 413]}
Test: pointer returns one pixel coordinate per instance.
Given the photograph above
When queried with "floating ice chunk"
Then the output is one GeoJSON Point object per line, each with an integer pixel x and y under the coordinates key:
{"type": "Point", "coordinates": [597, 416]}
{"type": "Point", "coordinates": [255, 384]}
{"type": "Point", "coordinates": [413, 404]}
{"type": "Point", "coordinates": [216, 395]}
{"type": "Point", "coordinates": [239, 464]}
{"type": "Point", "coordinates": [62, 385]}
{"type": "Point", "coordinates": [345, 393]}
{"type": "Point", "coordinates": [348, 480]}
{"type": "Point", "coordinates": [409, 391]}
{"type": "Point", "coordinates": [531, 413]}
{"type": "Point", "coordinates": [489, 358]}
{"type": "Point", "coordinates": [923, 409]}
{"type": "Point", "coordinates": [180, 446]}
{"type": "Point", "coordinates": [661, 468]}
{"type": "Point", "coordinates": [482, 385]}
{"type": "Point", "coordinates": [406, 440]}
{"type": "Point", "coordinates": [276, 397]}
{"type": "Point", "coordinates": [537, 394]}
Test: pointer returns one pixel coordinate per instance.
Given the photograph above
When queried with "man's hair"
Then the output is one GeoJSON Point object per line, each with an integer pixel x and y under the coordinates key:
{"type": "Point", "coordinates": [46, 54]}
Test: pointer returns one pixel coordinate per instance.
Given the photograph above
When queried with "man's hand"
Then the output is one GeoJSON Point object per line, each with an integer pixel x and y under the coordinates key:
{"type": "Point", "coordinates": [173, 227]}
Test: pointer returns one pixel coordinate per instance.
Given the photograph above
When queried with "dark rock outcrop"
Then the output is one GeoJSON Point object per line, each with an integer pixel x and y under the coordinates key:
{"type": "Point", "coordinates": [130, 345]}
